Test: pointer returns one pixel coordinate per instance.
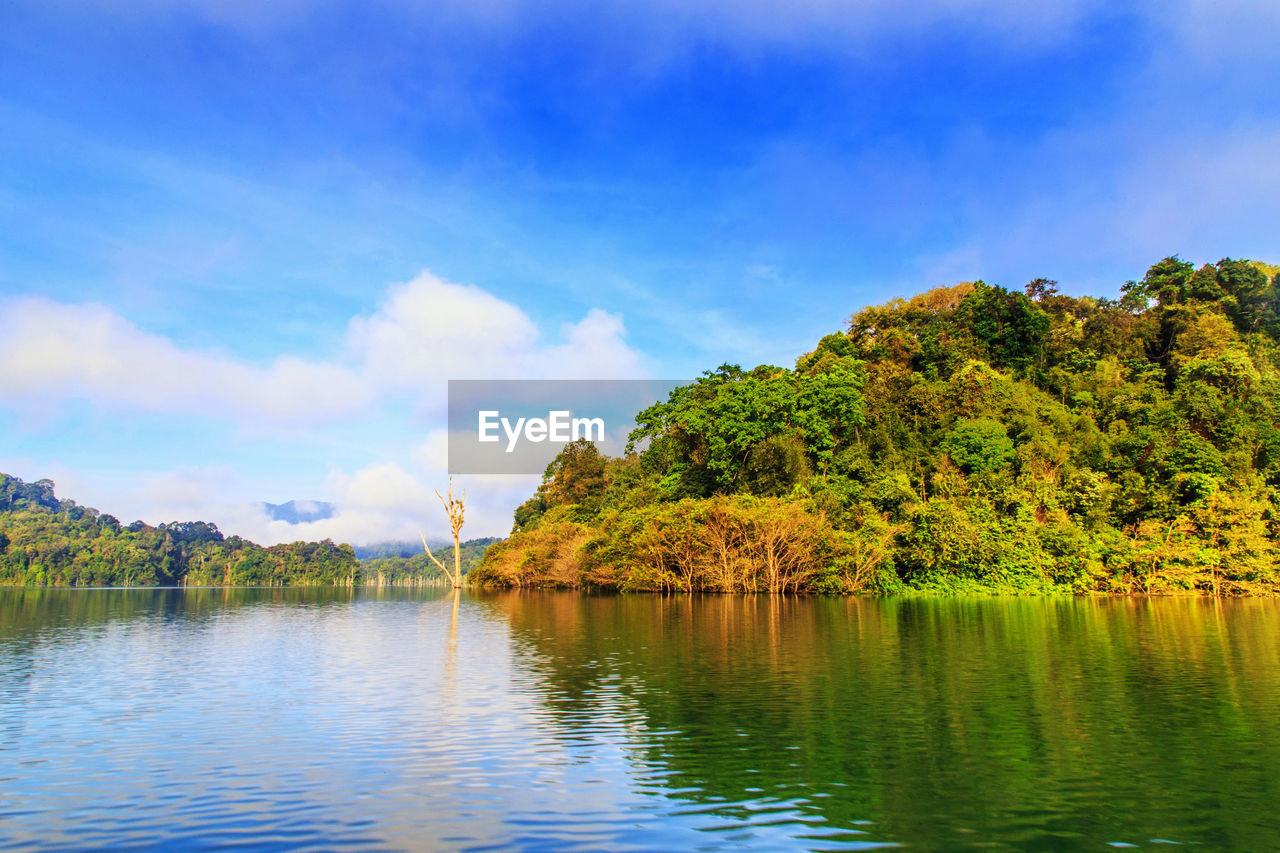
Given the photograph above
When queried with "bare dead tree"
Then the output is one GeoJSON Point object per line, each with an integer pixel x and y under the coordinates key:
{"type": "Point", "coordinates": [454, 507]}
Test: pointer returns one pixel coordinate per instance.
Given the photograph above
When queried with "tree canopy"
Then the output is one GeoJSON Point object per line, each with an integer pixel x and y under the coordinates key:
{"type": "Point", "coordinates": [45, 541]}
{"type": "Point", "coordinates": [968, 438]}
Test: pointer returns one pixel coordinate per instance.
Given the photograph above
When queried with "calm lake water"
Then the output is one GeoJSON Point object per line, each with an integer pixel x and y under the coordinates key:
{"type": "Point", "coordinates": [400, 719]}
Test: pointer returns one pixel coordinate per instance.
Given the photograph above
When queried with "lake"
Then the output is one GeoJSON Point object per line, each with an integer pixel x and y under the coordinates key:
{"type": "Point", "coordinates": [408, 719]}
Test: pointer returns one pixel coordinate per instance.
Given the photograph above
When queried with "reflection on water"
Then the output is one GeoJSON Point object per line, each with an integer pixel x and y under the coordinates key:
{"type": "Point", "coordinates": [417, 719]}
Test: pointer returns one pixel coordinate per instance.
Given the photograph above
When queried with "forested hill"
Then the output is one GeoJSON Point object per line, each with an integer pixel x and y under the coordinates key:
{"type": "Point", "coordinates": [47, 541]}
{"type": "Point", "coordinates": [968, 438]}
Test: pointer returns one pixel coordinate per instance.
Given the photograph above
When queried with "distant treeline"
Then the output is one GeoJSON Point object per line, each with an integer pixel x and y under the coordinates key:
{"type": "Point", "coordinates": [45, 541]}
{"type": "Point", "coordinates": [418, 568]}
{"type": "Point", "coordinates": [969, 438]}
{"type": "Point", "coordinates": [392, 548]}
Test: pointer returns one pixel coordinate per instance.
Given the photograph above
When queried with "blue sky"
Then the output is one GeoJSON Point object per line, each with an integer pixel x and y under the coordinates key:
{"type": "Point", "coordinates": [262, 212]}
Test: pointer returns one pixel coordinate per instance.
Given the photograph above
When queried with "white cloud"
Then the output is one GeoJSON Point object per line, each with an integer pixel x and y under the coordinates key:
{"type": "Point", "coordinates": [380, 502]}
{"type": "Point", "coordinates": [190, 493]}
{"type": "Point", "coordinates": [426, 331]}
{"type": "Point", "coordinates": [594, 349]}
{"type": "Point", "coordinates": [306, 507]}
{"type": "Point", "coordinates": [430, 328]}
{"type": "Point", "coordinates": [433, 452]}
{"type": "Point", "coordinates": [384, 488]}
{"type": "Point", "coordinates": [377, 503]}
{"type": "Point", "coordinates": [51, 351]}
{"type": "Point", "coordinates": [175, 495]}
{"type": "Point", "coordinates": [387, 502]}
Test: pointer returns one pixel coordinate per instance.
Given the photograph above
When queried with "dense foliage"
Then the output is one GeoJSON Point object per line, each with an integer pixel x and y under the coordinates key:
{"type": "Point", "coordinates": [968, 438]}
{"type": "Point", "coordinates": [47, 541]}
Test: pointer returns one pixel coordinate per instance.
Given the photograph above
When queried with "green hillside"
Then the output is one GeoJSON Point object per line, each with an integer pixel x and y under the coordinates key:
{"type": "Point", "coordinates": [970, 438]}
{"type": "Point", "coordinates": [47, 541]}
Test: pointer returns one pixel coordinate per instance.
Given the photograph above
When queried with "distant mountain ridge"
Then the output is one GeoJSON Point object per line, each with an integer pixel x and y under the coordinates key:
{"type": "Point", "coordinates": [297, 512]}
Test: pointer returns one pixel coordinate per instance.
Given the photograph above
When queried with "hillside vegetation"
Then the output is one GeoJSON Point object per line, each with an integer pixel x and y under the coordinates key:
{"type": "Point", "coordinates": [415, 569]}
{"type": "Point", "coordinates": [969, 438]}
{"type": "Point", "coordinates": [45, 541]}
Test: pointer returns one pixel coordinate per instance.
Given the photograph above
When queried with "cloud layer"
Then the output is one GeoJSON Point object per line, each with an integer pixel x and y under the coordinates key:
{"type": "Point", "coordinates": [426, 331]}
{"type": "Point", "coordinates": [391, 364]}
{"type": "Point", "coordinates": [52, 352]}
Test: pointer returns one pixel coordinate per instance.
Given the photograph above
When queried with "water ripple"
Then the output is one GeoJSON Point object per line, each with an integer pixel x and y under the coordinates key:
{"type": "Point", "coordinates": [398, 720]}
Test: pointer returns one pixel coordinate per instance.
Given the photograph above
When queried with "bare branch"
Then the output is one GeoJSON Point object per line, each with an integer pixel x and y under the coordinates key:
{"type": "Point", "coordinates": [454, 507]}
{"type": "Point", "coordinates": [433, 556]}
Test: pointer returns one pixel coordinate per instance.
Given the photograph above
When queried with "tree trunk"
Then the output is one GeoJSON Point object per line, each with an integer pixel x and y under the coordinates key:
{"type": "Point", "coordinates": [454, 507]}
{"type": "Point", "coordinates": [457, 560]}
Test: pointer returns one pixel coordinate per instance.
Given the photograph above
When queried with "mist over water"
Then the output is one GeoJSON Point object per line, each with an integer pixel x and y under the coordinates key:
{"type": "Point", "coordinates": [403, 719]}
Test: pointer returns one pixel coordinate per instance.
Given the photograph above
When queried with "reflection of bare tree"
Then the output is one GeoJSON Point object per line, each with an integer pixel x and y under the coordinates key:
{"type": "Point", "coordinates": [449, 668]}
{"type": "Point", "coordinates": [451, 656]}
